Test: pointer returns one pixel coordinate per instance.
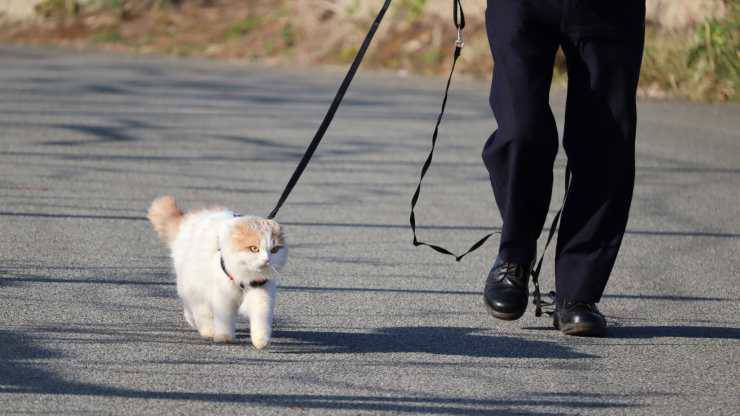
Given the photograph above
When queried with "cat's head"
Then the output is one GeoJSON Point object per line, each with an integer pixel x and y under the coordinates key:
{"type": "Point", "coordinates": [252, 248]}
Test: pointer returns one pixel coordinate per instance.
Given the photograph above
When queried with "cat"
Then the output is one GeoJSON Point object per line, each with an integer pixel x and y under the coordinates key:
{"type": "Point", "coordinates": [225, 264]}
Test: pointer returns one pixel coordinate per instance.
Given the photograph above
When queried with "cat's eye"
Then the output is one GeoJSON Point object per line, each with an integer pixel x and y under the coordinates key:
{"type": "Point", "coordinates": [275, 249]}
{"type": "Point", "coordinates": [254, 249]}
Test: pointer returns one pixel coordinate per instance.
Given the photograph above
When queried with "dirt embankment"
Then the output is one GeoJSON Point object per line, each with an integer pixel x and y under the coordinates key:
{"type": "Point", "coordinates": [689, 49]}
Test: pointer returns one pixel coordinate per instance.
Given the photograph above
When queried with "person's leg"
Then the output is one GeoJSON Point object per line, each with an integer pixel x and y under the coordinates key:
{"type": "Point", "coordinates": [519, 155]}
{"type": "Point", "coordinates": [599, 139]}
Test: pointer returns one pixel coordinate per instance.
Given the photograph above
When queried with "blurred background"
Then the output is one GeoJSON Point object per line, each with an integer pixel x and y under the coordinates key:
{"type": "Point", "coordinates": [692, 47]}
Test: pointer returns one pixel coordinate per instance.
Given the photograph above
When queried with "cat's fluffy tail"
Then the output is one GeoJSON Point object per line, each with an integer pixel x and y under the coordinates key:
{"type": "Point", "coordinates": [165, 217]}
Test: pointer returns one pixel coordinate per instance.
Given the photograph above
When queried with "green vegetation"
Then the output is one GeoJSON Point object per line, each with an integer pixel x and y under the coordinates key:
{"type": "Point", "coordinates": [242, 27]}
{"type": "Point", "coordinates": [110, 4]}
{"type": "Point", "coordinates": [186, 49]}
{"type": "Point", "coordinates": [167, 3]}
{"type": "Point", "coordinates": [269, 47]}
{"type": "Point", "coordinates": [346, 55]}
{"type": "Point", "coordinates": [699, 62]}
{"type": "Point", "coordinates": [289, 35]}
{"type": "Point", "coordinates": [432, 57]}
{"type": "Point", "coordinates": [57, 8]}
{"type": "Point", "coordinates": [108, 35]}
{"type": "Point", "coordinates": [352, 7]}
{"type": "Point", "coordinates": [664, 62]}
{"type": "Point", "coordinates": [414, 8]}
{"type": "Point", "coordinates": [715, 55]}
{"type": "Point", "coordinates": [703, 64]}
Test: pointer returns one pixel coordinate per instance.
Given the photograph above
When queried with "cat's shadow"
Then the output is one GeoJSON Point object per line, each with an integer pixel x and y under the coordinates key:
{"type": "Point", "coordinates": [452, 341]}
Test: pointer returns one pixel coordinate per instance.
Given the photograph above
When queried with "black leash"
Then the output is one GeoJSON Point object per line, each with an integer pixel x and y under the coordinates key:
{"type": "Point", "coordinates": [459, 20]}
{"type": "Point", "coordinates": [330, 113]}
{"type": "Point", "coordinates": [536, 295]}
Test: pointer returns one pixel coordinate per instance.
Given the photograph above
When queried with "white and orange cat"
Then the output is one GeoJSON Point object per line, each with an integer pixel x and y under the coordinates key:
{"type": "Point", "coordinates": [225, 264]}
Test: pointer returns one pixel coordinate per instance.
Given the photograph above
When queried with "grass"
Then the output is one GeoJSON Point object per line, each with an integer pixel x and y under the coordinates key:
{"type": "Point", "coordinates": [413, 8]}
{"type": "Point", "coordinates": [664, 62]}
{"type": "Point", "coordinates": [715, 55]}
{"type": "Point", "coordinates": [703, 65]}
{"type": "Point", "coordinates": [242, 27]}
{"type": "Point", "coordinates": [289, 35]}
{"type": "Point", "coordinates": [57, 8]}
{"type": "Point", "coordinates": [186, 49]}
{"type": "Point", "coordinates": [108, 35]}
{"type": "Point", "coordinates": [110, 4]}
{"type": "Point", "coordinates": [432, 57]}
{"type": "Point", "coordinates": [699, 64]}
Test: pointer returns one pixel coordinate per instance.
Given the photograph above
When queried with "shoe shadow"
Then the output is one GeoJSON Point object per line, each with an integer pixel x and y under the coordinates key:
{"type": "Point", "coordinates": [430, 340]}
{"type": "Point", "coordinates": [710, 332]}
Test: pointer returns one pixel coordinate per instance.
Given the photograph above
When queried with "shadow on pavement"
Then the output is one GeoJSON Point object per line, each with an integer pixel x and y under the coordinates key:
{"type": "Point", "coordinates": [655, 233]}
{"type": "Point", "coordinates": [674, 332]}
{"type": "Point", "coordinates": [675, 298]}
{"type": "Point", "coordinates": [429, 340]}
{"type": "Point", "coordinates": [19, 375]}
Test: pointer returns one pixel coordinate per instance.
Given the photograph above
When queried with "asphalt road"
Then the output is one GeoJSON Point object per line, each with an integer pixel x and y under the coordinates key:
{"type": "Point", "coordinates": [367, 324]}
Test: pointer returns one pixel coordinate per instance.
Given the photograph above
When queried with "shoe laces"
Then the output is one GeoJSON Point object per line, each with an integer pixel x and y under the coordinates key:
{"type": "Point", "coordinates": [507, 269]}
{"type": "Point", "coordinates": [512, 269]}
{"type": "Point", "coordinates": [511, 272]}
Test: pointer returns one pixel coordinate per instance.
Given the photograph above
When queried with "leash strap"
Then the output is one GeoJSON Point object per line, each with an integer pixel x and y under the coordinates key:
{"type": "Point", "coordinates": [536, 295]}
{"type": "Point", "coordinates": [459, 19]}
{"type": "Point", "coordinates": [330, 113]}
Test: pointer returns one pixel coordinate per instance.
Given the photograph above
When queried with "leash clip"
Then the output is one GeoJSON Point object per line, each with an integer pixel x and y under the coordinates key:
{"type": "Point", "coordinates": [460, 42]}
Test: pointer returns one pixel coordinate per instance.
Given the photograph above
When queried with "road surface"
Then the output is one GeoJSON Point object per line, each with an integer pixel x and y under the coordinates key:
{"type": "Point", "coordinates": [366, 324]}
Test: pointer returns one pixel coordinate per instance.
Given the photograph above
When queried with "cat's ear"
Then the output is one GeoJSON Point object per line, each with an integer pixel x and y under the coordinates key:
{"type": "Point", "coordinates": [223, 234]}
{"type": "Point", "coordinates": [278, 236]}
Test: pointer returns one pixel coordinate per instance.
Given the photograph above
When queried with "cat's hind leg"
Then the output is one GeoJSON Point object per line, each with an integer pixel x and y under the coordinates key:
{"type": "Point", "coordinates": [224, 322]}
{"type": "Point", "coordinates": [203, 320]}
{"type": "Point", "coordinates": [189, 317]}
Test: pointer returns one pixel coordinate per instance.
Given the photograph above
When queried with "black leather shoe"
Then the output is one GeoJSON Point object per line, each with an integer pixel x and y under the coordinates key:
{"type": "Point", "coordinates": [507, 290]}
{"type": "Point", "coordinates": [579, 319]}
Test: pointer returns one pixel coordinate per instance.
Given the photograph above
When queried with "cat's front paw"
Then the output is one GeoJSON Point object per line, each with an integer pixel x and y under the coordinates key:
{"type": "Point", "coordinates": [206, 332]}
{"type": "Point", "coordinates": [260, 342]}
{"type": "Point", "coordinates": [224, 338]}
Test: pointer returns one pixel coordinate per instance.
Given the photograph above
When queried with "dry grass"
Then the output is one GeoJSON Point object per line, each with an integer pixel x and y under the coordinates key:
{"type": "Point", "coordinates": [416, 37]}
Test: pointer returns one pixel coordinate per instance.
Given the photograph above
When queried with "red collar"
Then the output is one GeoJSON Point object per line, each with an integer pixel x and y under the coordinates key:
{"type": "Point", "coordinates": [223, 267]}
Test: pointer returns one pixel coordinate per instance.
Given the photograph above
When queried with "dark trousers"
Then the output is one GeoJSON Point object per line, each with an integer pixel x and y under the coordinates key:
{"type": "Point", "coordinates": [603, 43]}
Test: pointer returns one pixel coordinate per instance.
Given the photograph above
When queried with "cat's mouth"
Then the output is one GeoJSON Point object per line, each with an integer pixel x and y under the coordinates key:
{"type": "Point", "coordinates": [258, 283]}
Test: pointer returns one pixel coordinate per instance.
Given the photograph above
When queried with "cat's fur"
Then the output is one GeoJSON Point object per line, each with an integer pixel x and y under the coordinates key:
{"type": "Point", "coordinates": [250, 248]}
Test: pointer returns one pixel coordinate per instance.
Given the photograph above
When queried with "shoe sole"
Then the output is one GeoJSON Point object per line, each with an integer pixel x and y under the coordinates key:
{"type": "Point", "coordinates": [581, 330]}
{"type": "Point", "coordinates": [504, 316]}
